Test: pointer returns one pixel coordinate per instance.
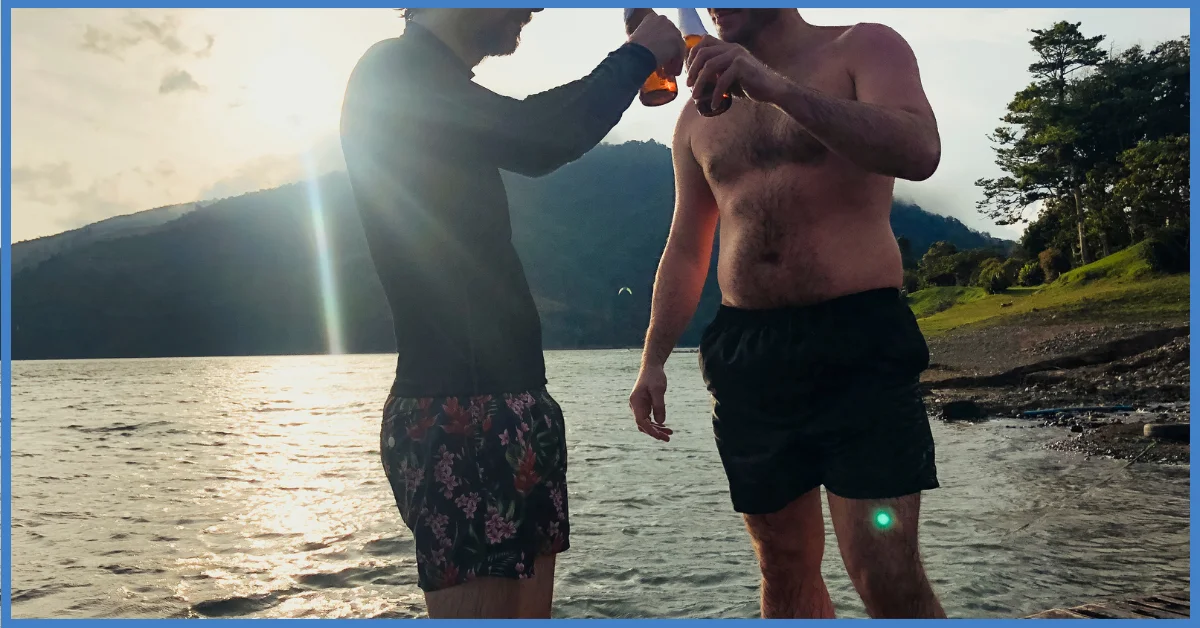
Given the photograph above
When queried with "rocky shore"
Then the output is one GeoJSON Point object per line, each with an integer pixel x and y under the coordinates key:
{"type": "Point", "coordinates": [1100, 385]}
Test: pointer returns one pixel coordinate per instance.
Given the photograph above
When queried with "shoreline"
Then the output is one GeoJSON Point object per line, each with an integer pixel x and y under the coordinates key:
{"type": "Point", "coordinates": [1101, 383]}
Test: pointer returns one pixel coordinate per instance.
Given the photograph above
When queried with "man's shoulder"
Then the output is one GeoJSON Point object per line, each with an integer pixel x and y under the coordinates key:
{"type": "Point", "coordinates": [686, 122]}
{"type": "Point", "coordinates": [872, 39]}
{"type": "Point", "coordinates": [383, 56]}
{"type": "Point", "coordinates": [380, 74]}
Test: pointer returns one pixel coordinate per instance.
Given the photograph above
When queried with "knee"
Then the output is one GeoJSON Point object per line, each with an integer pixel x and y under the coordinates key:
{"type": "Point", "coordinates": [888, 588]}
{"type": "Point", "coordinates": [793, 562]}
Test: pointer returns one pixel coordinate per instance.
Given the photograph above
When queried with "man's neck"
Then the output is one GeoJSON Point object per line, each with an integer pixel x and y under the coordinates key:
{"type": "Point", "coordinates": [456, 41]}
{"type": "Point", "coordinates": [779, 41]}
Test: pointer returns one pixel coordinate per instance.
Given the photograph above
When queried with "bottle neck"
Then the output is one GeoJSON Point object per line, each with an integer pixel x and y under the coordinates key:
{"type": "Point", "coordinates": [690, 24]}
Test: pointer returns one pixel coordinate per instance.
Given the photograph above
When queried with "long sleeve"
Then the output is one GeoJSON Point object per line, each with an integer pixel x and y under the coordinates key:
{"type": "Point", "coordinates": [532, 136]}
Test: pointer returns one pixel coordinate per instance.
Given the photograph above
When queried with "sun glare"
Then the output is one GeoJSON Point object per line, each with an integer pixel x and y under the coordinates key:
{"type": "Point", "coordinates": [293, 93]}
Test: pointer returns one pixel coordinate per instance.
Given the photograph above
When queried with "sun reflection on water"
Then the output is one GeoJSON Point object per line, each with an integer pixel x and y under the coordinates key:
{"type": "Point", "coordinates": [302, 521]}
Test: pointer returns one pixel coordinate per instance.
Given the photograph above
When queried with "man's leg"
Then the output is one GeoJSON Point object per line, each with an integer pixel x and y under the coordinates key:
{"type": "Point", "coordinates": [789, 544]}
{"type": "Point", "coordinates": [481, 598]}
{"type": "Point", "coordinates": [878, 543]}
{"type": "Point", "coordinates": [537, 593]}
{"type": "Point", "coordinates": [497, 598]}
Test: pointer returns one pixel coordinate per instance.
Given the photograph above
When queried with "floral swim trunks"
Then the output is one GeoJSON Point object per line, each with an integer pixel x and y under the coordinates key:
{"type": "Point", "coordinates": [481, 481]}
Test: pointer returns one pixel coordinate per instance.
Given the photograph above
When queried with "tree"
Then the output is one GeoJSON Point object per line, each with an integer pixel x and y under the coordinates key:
{"type": "Point", "coordinates": [905, 246]}
{"type": "Point", "coordinates": [937, 265]}
{"type": "Point", "coordinates": [1030, 275]}
{"type": "Point", "coordinates": [1037, 147]}
{"type": "Point", "coordinates": [993, 276]}
{"type": "Point", "coordinates": [1053, 264]}
{"type": "Point", "coordinates": [1156, 188]}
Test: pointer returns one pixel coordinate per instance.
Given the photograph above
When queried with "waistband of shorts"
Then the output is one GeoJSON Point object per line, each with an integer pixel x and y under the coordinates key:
{"type": "Point", "coordinates": [849, 305]}
{"type": "Point", "coordinates": [400, 390]}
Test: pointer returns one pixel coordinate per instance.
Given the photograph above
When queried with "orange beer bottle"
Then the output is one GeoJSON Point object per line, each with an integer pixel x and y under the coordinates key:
{"type": "Point", "coordinates": [659, 89]}
{"type": "Point", "coordinates": [693, 31]}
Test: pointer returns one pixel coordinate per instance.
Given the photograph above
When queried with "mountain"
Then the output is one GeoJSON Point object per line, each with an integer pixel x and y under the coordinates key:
{"type": "Point", "coordinates": [241, 276]}
{"type": "Point", "coordinates": [33, 252]}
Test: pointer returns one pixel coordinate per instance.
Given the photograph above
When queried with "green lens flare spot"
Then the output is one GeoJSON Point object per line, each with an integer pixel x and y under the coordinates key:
{"type": "Point", "coordinates": [882, 519]}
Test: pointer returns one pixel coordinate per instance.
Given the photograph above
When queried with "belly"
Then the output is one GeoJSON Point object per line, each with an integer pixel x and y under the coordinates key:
{"type": "Point", "coordinates": [795, 236]}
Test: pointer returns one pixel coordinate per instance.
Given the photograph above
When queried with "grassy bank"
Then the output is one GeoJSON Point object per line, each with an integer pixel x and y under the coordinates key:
{"type": "Point", "coordinates": [1120, 287]}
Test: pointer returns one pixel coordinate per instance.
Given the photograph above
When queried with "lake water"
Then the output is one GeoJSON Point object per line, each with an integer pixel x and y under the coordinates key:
{"type": "Point", "coordinates": [252, 487]}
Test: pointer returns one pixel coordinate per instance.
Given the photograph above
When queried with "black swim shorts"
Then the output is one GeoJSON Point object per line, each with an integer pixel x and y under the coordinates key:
{"type": "Point", "coordinates": [480, 480]}
{"type": "Point", "coordinates": [825, 394]}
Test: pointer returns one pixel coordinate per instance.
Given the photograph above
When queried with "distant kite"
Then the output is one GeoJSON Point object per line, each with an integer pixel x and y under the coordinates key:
{"type": "Point", "coordinates": [625, 291]}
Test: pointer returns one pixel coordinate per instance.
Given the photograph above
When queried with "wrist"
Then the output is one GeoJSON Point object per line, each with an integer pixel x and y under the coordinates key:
{"type": "Point", "coordinates": [779, 89]}
{"type": "Point", "coordinates": [645, 56]}
{"type": "Point", "coordinates": [653, 362]}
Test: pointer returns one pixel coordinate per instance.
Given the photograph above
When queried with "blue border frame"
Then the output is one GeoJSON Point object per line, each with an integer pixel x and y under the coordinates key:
{"type": "Point", "coordinates": [5, 327]}
{"type": "Point", "coordinates": [6, 229]}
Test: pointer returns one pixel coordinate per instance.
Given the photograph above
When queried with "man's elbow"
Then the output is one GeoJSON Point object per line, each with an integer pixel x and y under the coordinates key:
{"type": "Point", "coordinates": [546, 159]}
{"type": "Point", "coordinates": [921, 165]}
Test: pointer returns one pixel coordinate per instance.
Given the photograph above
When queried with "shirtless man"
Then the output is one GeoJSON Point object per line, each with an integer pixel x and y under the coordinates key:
{"type": "Point", "coordinates": [813, 359]}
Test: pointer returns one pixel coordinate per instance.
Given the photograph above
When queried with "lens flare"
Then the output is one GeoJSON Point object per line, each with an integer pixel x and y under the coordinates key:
{"type": "Point", "coordinates": [883, 519]}
{"type": "Point", "coordinates": [329, 294]}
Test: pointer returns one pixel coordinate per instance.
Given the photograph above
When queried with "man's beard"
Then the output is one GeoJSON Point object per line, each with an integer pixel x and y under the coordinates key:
{"type": "Point", "coordinates": [499, 42]}
{"type": "Point", "coordinates": [756, 21]}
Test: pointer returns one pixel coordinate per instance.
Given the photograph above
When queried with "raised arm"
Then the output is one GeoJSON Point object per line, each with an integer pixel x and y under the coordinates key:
{"type": "Point", "coordinates": [678, 283]}
{"type": "Point", "coordinates": [889, 129]}
{"type": "Point", "coordinates": [531, 136]}
{"type": "Point", "coordinates": [536, 135]}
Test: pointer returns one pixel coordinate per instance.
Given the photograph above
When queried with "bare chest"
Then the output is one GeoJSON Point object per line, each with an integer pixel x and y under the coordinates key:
{"type": "Point", "coordinates": [756, 136]}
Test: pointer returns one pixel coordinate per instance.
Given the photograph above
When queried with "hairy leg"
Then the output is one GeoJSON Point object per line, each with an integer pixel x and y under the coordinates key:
{"type": "Point", "coordinates": [790, 544]}
{"type": "Point", "coordinates": [882, 556]}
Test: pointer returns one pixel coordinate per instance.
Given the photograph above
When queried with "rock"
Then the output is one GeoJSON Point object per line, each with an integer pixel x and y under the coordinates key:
{"type": "Point", "coordinates": [1077, 428]}
{"type": "Point", "coordinates": [1168, 431]}
{"type": "Point", "coordinates": [961, 411]}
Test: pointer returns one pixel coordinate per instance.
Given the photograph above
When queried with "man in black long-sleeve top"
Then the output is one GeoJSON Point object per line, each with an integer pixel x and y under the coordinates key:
{"type": "Point", "coordinates": [473, 446]}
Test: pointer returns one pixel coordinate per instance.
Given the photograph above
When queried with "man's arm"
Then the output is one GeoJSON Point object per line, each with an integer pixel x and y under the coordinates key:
{"type": "Point", "coordinates": [678, 284]}
{"type": "Point", "coordinates": [890, 129]}
{"type": "Point", "coordinates": [536, 135]}
{"type": "Point", "coordinates": [533, 136]}
{"type": "Point", "coordinates": [684, 264]}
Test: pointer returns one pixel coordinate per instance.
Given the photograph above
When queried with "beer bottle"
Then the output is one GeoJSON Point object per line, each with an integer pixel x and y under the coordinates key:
{"type": "Point", "coordinates": [659, 89]}
{"type": "Point", "coordinates": [693, 31]}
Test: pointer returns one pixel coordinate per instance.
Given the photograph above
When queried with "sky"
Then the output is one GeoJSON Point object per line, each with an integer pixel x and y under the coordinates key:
{"type": "Point", "coordinates": [117, 111]}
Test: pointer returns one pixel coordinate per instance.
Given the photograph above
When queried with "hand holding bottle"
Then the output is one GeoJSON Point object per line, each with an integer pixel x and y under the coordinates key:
{"type": "Point", "coordinates": [661, 37]}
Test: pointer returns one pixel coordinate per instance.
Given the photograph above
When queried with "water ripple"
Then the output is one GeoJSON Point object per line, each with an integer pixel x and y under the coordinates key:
{"type": "Point", "coordinates": [113, 458]}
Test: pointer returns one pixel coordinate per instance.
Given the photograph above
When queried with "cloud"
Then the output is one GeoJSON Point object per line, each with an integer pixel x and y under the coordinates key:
{"type": "Point", "coordinates": [97, 202]}
{"type": "Point", "coordinates": [157, 175]}
{"type": "Point", "coordinates": [270, 171]}
{"type": "Point", "coordinates": [138, 29]}
{"type": "Point", "coordinates": [42, 183]}
{"type": "Point", "coordinates": [179, 81]}
{"type": "Point", "coordinates": [165, 33]}
{"type": "Point", "coordinates": [53, 185]}
{"type": "Point", "coordinates": [106, 43]}
{"type": "Point", "coordinates": [207, 50]}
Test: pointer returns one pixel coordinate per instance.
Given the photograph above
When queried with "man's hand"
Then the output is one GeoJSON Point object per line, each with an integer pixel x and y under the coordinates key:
{"type": "Point", "coordinates": [731, 69]}
{"type": "Point", "coordinates": [648, 395]}
{"type": "Point", "coordinates": [660, 36]}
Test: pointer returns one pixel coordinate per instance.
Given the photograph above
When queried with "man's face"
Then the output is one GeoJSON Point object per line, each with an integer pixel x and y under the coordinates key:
{"type": "Point", "coordinates": [498, 31]}
{"type": "Point", "coordinates": [741, 26]}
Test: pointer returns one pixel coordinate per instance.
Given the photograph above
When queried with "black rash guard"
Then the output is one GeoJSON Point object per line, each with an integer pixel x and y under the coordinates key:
{"type": "Point", "coordinates": [424, 146]}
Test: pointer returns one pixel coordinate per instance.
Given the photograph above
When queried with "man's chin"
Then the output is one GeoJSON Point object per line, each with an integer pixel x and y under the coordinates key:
{"type": "Point", "coordinates": [503, 49]}
{"type": "Point", "coordinates": [507, 50]}
{"type": "Point", "coordinates": [732, 36]}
